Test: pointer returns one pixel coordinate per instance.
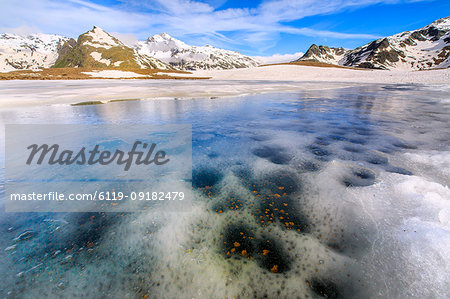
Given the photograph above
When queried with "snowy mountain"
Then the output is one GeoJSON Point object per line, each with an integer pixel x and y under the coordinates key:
{"type": "Point", "coordinates": [424, 48]}
{"type": "Point", "coordinates": [29, 52]}
{"type": "Point", "coordinates": [97, 48]}
{"type": "Point", "coordinates": [182, 56]}
{"type": "Point", "coordinates": [323, 54]}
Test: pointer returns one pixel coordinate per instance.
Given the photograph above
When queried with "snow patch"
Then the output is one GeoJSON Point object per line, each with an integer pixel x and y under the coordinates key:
{"type": "Point", "coordinates": [98, 57]}
{"type": "Point", "coordinates": [113, 74]}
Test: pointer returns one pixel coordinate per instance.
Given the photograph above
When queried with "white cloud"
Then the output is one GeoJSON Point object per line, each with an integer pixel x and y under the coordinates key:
{"type": "Point", "coordinates": [69, 17]}
{"type": "Point", "coordinates": [182, 18]}
{"type": "Point", "coordinates": [289, 10]}
{"type": "Point", "coordinates": [331, 34]}
{"type": "Point", "coordinates": [128, 39]}
{"type": "Point", "coordinates": [21, 30]}
{"type": "Point", "coordinates": [278, 58]}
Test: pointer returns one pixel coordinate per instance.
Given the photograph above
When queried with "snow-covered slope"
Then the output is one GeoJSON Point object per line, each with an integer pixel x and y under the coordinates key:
{"type": "Point", "coordinates": [182, 56]}
{"type": "Point", "coordinates": [97, 48]}
{"type": "Point", "coordinates": [424, 48]}
{"type": "Point", "coordinates": [29, 52]}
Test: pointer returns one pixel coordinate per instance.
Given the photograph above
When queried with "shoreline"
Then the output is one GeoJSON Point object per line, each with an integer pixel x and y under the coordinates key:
{"type": "Point", "coordinates": [274, 72]}
{"type": "Point", "coordinates": [330, 74]}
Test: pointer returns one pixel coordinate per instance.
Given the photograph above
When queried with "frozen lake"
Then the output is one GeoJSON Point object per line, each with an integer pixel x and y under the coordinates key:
{"type": "Point", "coordinates": [338, 192]}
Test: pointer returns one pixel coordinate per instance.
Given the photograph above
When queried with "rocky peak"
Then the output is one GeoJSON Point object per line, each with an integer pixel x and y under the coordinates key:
{"type": "Point", "coordinates": [424, 48]}
{"type": "Point", "coordinates": [97, 48]}
{"type": "Point", "coordinates": [165, 42]}
{"type": "Point", "coordinates": [443, 23]}
{"type": "Point", "coordinates": [183, 56]}
{"type": "Point", "coordinates": [97, 37]}
{"type": "Point", "coordinates": [323, 54]}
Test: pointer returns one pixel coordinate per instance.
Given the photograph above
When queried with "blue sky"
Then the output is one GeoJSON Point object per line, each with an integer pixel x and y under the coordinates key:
{"type": "Point", "coordinates": [252, 27]}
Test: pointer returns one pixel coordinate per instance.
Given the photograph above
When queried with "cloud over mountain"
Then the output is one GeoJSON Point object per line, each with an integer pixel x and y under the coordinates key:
{"type": "Point", "coordinates": [200, 22]}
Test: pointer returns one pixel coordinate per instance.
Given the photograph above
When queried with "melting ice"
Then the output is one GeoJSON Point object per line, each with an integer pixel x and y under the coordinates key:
{"type": "Point", "coordinates": [327, 193]}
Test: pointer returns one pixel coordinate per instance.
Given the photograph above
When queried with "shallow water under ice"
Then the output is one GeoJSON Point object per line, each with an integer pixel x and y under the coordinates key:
{"type": "Point", "coordinates": [332, 193]}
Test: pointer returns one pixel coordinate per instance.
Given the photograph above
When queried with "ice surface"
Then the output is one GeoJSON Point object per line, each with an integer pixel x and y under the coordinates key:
{"type": "Point", "coordinates": [338, 192]}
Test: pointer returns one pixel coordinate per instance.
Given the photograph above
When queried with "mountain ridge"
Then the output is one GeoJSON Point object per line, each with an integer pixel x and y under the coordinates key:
{"type": "Point", "coordinates": [32, 51]}
{"type": "Point", "coordinates": [183, 56]}
{"type": "Point", "coordinates": [97, 48]}
{"type": "Point", "coordinates": [424, 48]}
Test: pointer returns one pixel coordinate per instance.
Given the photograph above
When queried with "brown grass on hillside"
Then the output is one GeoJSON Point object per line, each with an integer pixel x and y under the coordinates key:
{"type": "Point", "coordinates": [314, 63]}
{"type": "Point", "coordinates": [77, 74]}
